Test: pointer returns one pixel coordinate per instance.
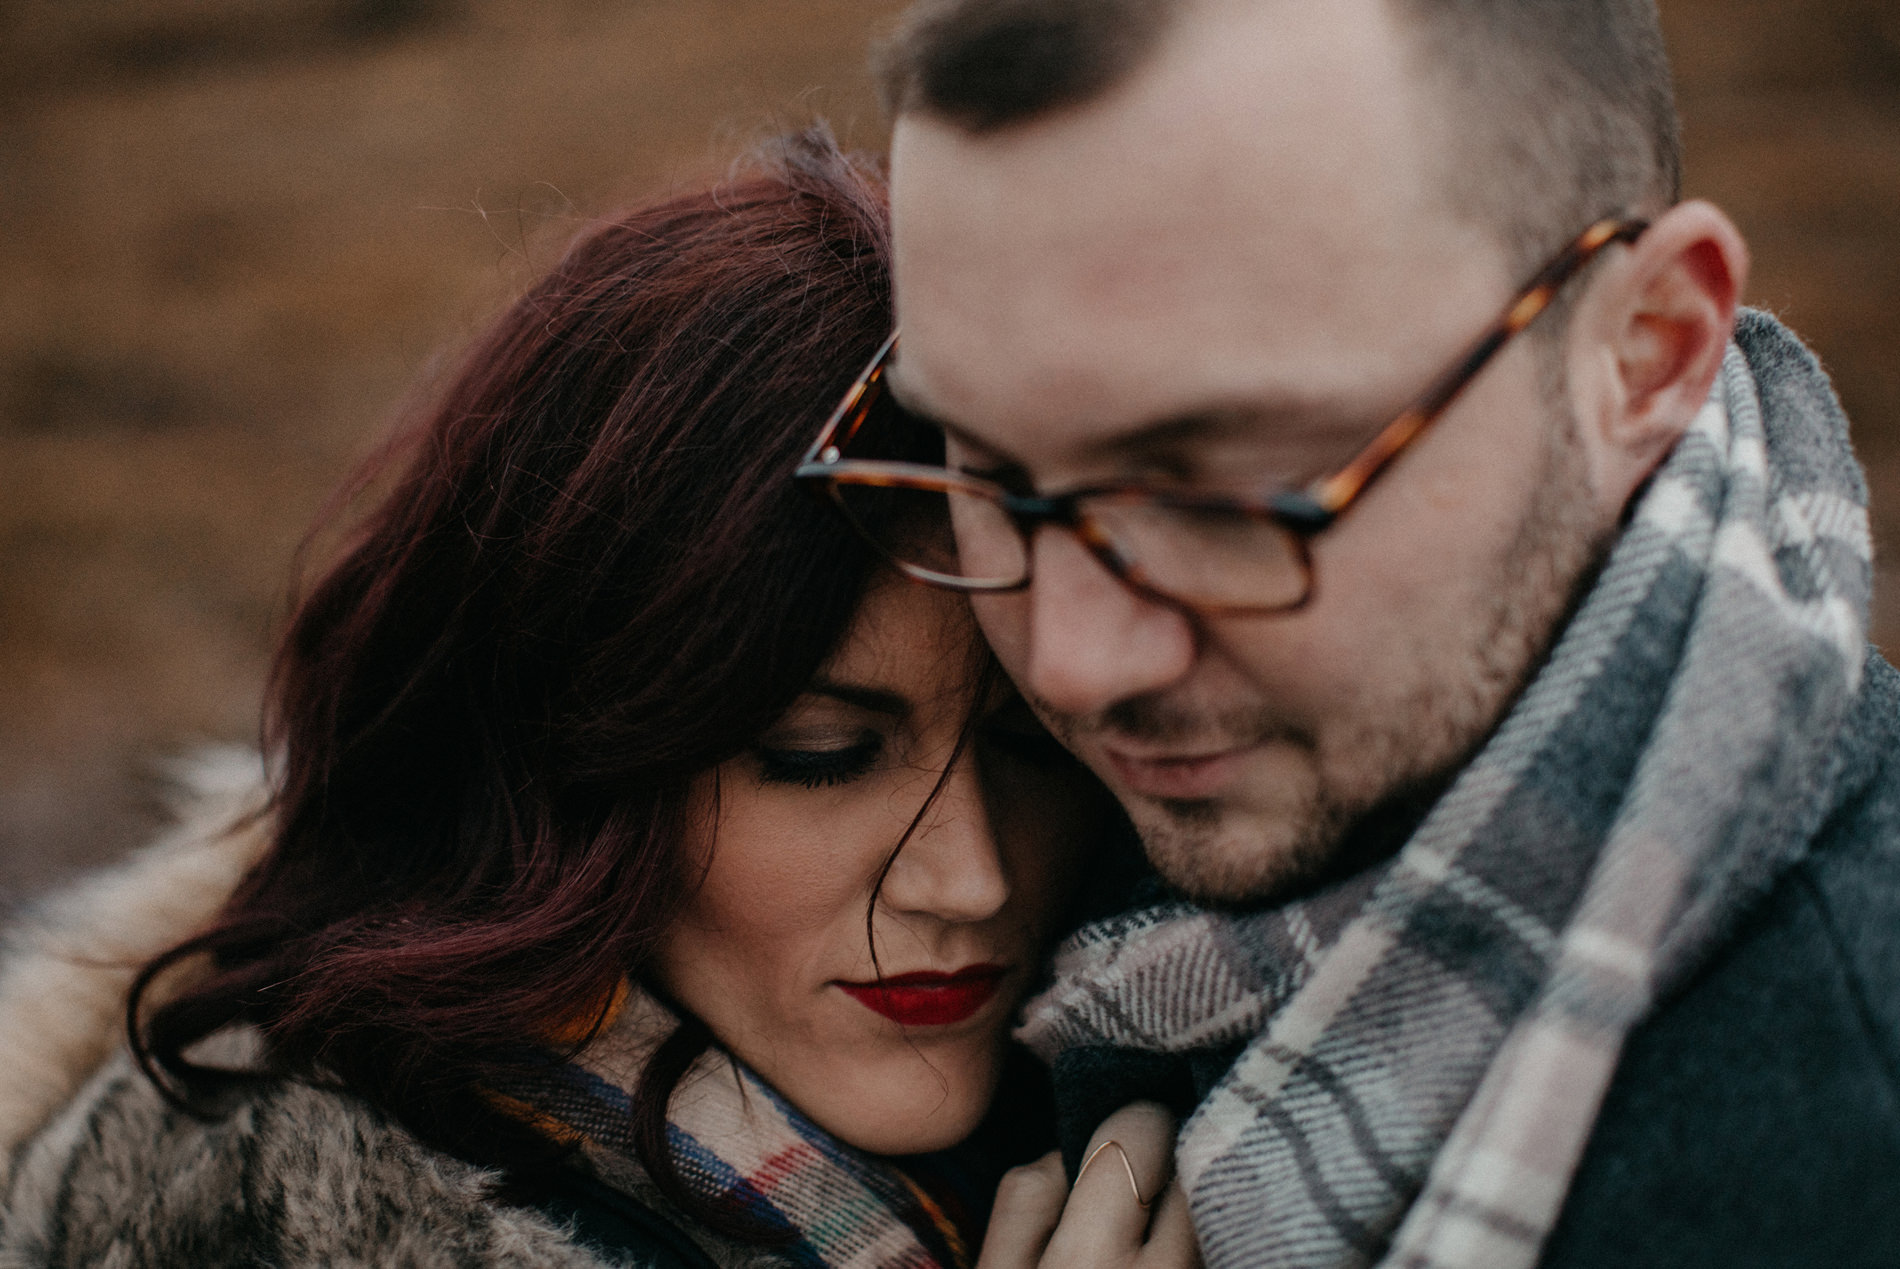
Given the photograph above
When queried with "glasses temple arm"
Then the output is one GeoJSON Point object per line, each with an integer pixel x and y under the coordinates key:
{"type": "Point", "coordinates": [1332, 493]}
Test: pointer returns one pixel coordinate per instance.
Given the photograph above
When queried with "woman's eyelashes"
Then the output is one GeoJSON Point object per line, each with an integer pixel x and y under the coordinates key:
{"type": "Point", "coordinates": [817, 766]}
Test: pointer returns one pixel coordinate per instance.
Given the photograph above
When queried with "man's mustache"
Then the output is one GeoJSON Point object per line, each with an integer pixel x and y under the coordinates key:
{"type": "Point", "coordinates": [1156, 720]}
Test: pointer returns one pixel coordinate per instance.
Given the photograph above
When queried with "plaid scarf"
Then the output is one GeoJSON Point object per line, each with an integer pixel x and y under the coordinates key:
{"type": "Point", "coordinates": [738, 1144]}
{"type": "Point", "coordinates": [1427, 1045]}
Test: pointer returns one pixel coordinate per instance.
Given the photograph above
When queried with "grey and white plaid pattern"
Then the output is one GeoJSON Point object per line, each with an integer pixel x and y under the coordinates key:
{"type": "Point", "coordinates": [1431, 1040]}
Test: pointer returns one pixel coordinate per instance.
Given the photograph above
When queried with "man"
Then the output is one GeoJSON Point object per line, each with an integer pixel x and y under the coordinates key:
{"type": "Point", "coordinates": [1504, 706]}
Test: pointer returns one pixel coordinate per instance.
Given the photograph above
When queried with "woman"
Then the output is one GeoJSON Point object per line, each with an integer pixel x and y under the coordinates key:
{"type": "Point", "coordinates": [645, 869]}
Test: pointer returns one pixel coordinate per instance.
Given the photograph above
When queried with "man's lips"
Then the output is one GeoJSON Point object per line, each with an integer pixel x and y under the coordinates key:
{"type": "Point", "coordinates": [927, 998]}
{"type": "Point", "coordinates": [1186, 776]}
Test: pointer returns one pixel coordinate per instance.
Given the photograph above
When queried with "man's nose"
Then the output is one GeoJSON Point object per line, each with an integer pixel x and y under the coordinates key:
{"type": "Point", "coordinates": [950, 868]}
{"type": "Point", "coordinates": [1093, 639]}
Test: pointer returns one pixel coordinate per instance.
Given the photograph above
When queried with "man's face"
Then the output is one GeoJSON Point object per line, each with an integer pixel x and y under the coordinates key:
{"type": "Point", "coordinates": [1227, 274]}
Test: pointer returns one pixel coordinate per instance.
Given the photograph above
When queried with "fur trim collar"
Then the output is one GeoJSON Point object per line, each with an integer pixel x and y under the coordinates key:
{"type": "Point", "coordinates": [97, 1168]}
{"type": "Point", "coordinates": [68, 960]}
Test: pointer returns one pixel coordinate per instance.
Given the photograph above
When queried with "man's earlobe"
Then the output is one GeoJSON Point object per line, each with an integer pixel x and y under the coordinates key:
{"type": "Point", "coordinates": [1670, 326]}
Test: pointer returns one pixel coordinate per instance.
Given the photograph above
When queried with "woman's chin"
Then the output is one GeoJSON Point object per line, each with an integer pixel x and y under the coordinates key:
{"type": "Point", "coordinates": [910, 1132]}
{"type": "Point", "coordinates": [909, 1103]}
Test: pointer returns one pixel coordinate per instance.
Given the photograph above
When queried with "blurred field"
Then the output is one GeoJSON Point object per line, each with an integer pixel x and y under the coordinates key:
{"type": "Point", "coordinates": [237, 230]}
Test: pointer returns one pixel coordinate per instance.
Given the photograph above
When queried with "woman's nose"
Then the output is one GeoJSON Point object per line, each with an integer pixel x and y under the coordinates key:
{"type": "Point", "coordinates": [950, 868]}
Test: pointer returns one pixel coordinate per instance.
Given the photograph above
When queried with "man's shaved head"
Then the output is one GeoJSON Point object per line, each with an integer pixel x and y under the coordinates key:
{"type": "Point", "coordinates": [1563, 110]}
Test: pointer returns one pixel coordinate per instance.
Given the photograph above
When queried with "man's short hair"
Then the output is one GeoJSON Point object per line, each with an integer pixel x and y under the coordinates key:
{"type": "Point", "coordinates": [1568, 104]}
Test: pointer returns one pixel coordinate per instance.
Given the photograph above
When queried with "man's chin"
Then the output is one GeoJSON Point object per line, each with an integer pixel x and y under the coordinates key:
{"type": "Point", "coordinates": [1224, 855]}
{"type": "Point", "coordinates": [1227, 854]}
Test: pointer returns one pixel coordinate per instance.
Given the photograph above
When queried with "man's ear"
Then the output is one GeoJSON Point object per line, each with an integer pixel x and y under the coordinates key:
{"type": "Point", "coordinates": [1656, 340]}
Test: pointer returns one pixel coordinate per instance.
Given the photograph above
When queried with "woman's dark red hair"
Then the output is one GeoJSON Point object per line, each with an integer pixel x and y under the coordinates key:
{"type": "Point", "coordinates": [590, 580]}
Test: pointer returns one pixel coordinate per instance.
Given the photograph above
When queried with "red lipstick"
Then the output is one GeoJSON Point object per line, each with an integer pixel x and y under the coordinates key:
{"type": "Point", "coordinates": [927, 998]}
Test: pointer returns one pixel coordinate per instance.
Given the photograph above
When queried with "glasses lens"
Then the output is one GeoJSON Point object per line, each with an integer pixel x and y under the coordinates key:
{"type": "Point", "coordinates": [943, 535]}
{"type": "Point", "coordinates": [1213, 557]}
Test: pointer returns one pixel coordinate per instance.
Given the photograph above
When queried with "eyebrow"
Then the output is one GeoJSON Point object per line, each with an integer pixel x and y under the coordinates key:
{"type": "Point", "coordinates": [1297, 419]}
{"type": "Point", "coordinates": [1169, 437]}
{"type": "Point", "coordinates": [877, 700]}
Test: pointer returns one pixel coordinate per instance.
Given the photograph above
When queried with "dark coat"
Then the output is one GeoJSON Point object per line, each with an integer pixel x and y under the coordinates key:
{"type": "Point", "coordinates": [1755, 1118]}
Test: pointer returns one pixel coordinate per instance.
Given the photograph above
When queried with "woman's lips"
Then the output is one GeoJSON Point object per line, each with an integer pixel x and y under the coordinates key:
{"type": "Point", "coordinates": [929, 999]}
{"type": "Point", "coordinates": [1187, 777]}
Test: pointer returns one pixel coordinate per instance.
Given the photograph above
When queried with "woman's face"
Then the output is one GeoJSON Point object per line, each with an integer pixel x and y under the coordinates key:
{"type": "Point", "coordinates": [771, 949]}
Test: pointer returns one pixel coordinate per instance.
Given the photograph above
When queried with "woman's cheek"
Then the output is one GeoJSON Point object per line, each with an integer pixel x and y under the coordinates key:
{"type": "Point", "coordinates": [785, 889]}
{"type": "Point", "coordinates": [766, 863]}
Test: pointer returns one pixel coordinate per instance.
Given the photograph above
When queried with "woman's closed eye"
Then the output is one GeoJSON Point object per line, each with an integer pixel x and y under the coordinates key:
{"type": "Point", "coordinates": [818, 764]}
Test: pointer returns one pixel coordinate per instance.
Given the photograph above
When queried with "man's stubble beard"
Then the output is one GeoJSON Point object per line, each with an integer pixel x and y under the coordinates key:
{"type": "Point", "coordinates": [1373, 780]}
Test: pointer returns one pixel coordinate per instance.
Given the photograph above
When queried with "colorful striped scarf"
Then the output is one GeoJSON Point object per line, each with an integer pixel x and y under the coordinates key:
{"type": "Point", "coordinates": [741, 1147]}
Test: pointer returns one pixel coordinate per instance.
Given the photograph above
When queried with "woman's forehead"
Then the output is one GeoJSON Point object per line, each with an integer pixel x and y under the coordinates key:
{"type": "Point", "coordinates": [914, 641]}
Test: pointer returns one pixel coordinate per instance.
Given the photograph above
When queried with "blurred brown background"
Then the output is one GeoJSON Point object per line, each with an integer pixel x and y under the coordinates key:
{"type": "Point", "coordinates": [237, 230]}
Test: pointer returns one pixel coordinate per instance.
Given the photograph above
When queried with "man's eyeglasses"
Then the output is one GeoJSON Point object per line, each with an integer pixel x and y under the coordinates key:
{"type": "Point", "coordinates": [1210, 553]}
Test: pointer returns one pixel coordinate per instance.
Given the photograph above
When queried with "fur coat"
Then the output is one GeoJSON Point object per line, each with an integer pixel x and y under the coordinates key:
{"type": "Point", "coordinates": [97, 1169]}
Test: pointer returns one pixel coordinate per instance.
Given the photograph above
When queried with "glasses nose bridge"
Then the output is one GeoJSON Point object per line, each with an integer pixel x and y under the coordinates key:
{"type": "Point", "coordinates": [1029, 512]}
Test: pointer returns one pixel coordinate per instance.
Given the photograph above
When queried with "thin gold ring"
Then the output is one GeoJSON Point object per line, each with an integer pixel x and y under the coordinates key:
{"type": "Point", "coordinates": [1129, 1168]}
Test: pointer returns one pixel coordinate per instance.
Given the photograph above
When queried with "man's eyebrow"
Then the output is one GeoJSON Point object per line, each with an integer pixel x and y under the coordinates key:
{"type": "Point", "coordinates": [877, 700]}
{"type": "Point", "coordinates": [1289, 420]}
{"type": "Point", "coordinates": [1285, 419]}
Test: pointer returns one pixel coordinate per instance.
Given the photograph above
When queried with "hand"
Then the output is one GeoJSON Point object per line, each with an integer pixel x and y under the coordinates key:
{"type": "Point", "coordinates": [1038, 1221]}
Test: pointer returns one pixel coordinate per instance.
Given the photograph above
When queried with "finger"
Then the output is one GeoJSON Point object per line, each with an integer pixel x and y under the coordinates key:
{"type": "Point", "coordinates": [1171, 1242]}
{"type": "Point", "coordinates": [1028, 1204]}
{"type": "Point", "coordinates": [1106, 1216]}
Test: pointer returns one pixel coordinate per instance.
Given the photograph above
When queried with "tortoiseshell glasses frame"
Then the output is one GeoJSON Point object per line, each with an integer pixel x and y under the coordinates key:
{"type": "Point", "coordinates": [1212, 554]}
